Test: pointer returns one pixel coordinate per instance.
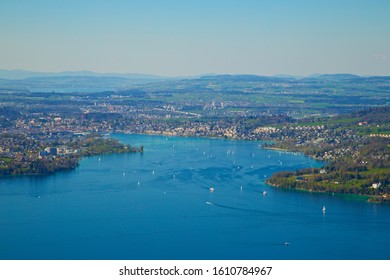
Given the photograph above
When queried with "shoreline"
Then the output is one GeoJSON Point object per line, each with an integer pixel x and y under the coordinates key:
{"type": "Point", "coordinates": [195, 137]}
{"type": "Point", "coordinates": [368, 198]}
{"type": "Point", "coordinates": [280, 149]}
{"type": "Point", "coordinates": [72, 161]}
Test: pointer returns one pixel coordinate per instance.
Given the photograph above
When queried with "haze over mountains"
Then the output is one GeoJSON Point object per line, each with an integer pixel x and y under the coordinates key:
{"type": "Point", "coordinates": [87, 81]}
{"type": "Point", "coordinates": [26, 74]}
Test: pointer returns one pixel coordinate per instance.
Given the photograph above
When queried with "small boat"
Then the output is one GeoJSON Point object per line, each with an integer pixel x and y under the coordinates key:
{"type": "Point", "coordinates": [264, 193]}
{"type": "Point", "coordinates": [323, 209]}
{"type": "Point", "coordinates": [212, 189]}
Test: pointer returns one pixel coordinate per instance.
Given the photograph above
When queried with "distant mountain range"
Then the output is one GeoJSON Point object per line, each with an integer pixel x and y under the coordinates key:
{"type": "Point", "coordinates": [87, 81]}
{"type": "Point", "coordinates": [315, 77]}
{"type": "Point", "coordinates": [25, 74]}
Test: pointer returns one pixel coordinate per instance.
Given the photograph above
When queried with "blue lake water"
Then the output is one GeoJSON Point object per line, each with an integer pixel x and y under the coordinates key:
{"type": "Point", "coordinates": [157, 205]}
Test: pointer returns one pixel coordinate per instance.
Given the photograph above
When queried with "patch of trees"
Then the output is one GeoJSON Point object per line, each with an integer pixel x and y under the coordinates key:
{"type": "Point", "coordinates": [39, 166]}
{"type": "Point", "coordinates": [96, 146]}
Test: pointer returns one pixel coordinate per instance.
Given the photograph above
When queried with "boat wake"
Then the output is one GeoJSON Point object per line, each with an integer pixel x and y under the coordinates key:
{"type": "Point", "coordinates": [234, 208]}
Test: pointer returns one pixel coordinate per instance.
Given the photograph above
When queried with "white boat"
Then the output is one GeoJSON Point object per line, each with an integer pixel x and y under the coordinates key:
{"type": "Point", "coordinates": [323, 209]}
{"type": "Point", "coordinates": [212, 189]}
{"type": "Point", "coordinates": [264, 193]}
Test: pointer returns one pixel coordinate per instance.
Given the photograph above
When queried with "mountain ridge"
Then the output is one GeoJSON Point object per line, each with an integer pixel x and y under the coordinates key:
{"type": "Point", "coordinates": [26, 74]}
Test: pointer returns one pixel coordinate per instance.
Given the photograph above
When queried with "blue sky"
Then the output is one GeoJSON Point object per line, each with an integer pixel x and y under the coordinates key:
{"type": "Point", "coordinates": [175, 38]}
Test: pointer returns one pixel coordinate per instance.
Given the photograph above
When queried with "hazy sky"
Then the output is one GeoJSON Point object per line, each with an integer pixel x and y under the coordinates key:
{"type": "Point", "coordinates": [172, 38]}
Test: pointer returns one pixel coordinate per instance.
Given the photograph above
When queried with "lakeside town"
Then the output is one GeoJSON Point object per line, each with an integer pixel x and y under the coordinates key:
{"type": "Point", "coordinates": [41, 133]}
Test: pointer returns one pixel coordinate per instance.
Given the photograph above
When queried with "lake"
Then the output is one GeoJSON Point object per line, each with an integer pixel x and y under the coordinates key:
{"type": "Point", "coordinates": [158, 205]}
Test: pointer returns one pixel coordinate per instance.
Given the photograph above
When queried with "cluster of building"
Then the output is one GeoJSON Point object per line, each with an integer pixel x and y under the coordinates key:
{"type": "Point", "coordinates": [54, 131]}
{"type": "Point", "coordinates": [329, 143]}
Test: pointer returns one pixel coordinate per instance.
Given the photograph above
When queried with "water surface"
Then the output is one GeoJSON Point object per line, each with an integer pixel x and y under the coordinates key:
{"type": "Point", "coordinates": [158, 205]}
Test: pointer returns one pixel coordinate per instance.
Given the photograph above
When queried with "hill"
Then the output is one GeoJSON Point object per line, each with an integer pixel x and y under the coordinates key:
{"type": "Point", "coordinates": [355, 149]}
